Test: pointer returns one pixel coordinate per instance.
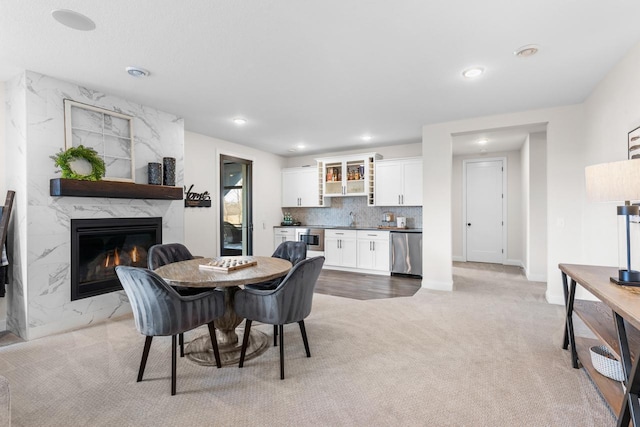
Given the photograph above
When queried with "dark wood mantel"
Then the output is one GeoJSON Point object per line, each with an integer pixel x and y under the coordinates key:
{"type": "Point", "coordinates": [115, 189]}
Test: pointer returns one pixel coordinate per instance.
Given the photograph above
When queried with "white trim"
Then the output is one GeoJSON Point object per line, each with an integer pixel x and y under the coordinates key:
{"type": "Point", "coordinates": [504, 204]}
{"type": "Point", "coordinates": [536, 277]}
{"type": "Point", "coordinates": [458, 258]}
{"type": "Point", "coordinates": [357, 270]}
{"type": "Point", "coordinates": [554, 299]}
{"type": "Point", "coordinates": [514, 262]}
{"type": "Point", "coordinates": [437, 285]}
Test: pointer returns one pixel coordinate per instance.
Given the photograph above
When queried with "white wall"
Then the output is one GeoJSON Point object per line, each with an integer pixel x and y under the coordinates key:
{"type": "Point", "coordinates": [387, 152]}
{"type": "Point", "coordinates": [565, 189]}
{"type": "Point", "coordinates": [525, 184]}
{"type": "Point", "coordinates": [3, 190]}
{"type": "Point", "coordinates": [611, 112]}
{"type": "Point", "coordinates": [3, 185]}
{"type": "Point", "coordinates": [536, 243]}
{"type": "Point", "coordinates": [201, 169]}
{"type": "Point", "coordinates": [514, 249]}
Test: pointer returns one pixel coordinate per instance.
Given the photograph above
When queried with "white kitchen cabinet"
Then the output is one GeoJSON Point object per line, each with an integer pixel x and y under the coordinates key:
{"type": "Point", "coordinates": [398, 182]}
{"type": "Point", "coordinates": [283, 235]}
{"type": "Point", "coordinates": [373, 250]}
{"type": "Point", "coordinates": [340, 248]}
{"type": "Point", "coordinates": [349, 175]}
{"type": "Point", "coordinates": [301, 187]}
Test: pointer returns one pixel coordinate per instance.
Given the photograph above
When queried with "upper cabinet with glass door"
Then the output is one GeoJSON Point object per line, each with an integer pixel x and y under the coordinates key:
{"type": "Point", "coordinates": [349, 175]}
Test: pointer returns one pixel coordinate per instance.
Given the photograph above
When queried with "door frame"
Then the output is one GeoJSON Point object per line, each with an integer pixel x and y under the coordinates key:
{"type": "Point", "coordinates": [504, 204]}
{"type": "Point", "coordinates": [219, 184]}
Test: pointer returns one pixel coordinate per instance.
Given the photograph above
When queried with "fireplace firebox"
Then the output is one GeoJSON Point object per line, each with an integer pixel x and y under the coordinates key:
{"type": "Point", "coordinates": [99, 245]}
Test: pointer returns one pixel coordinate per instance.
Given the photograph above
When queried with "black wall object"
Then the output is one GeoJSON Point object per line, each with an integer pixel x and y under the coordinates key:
{"type": "Point", "coordinates": [196, 200]}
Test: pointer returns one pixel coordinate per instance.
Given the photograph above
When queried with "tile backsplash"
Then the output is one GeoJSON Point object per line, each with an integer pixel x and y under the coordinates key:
{"type": "Point", "coordinates": [366, 216]}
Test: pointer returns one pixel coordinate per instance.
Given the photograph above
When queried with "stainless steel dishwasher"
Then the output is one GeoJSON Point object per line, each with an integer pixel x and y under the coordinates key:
{"type": "Point", "coordinates": [406, 253]}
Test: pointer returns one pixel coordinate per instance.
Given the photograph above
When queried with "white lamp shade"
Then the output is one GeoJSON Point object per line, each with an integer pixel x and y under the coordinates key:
{"type": "Point", "coordinates": [613, 182]}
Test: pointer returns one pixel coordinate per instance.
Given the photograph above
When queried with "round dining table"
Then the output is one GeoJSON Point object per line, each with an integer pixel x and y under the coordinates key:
{"type": "Point", "coordinates": [200, 273]}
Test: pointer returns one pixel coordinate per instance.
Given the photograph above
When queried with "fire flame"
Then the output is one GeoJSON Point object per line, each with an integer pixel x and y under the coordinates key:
{"type": "Point", "coordinates": [134, 254]}
{"type": "Point", "coordinates": [116, 259]}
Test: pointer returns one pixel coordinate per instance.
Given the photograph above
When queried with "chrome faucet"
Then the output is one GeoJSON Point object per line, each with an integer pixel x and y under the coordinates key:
{"type": "Point", "coordinates": [352, 219]}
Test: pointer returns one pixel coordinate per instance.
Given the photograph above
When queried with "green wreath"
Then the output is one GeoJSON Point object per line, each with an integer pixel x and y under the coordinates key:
{"type": "Point", "coordinates": [64, 159]}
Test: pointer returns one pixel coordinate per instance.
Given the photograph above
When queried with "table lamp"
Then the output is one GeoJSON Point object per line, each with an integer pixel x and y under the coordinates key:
{"type": "Point", "coordinates": [620, 182]}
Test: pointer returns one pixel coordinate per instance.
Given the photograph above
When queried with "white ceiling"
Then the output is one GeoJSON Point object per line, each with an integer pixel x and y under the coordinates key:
{"type": "Point", "coordinates": [504, 139]}
{"type": "Point", "coordinates": [324, 72]}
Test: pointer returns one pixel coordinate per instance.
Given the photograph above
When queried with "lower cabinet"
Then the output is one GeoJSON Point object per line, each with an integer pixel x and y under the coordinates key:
{"type": "Point", "coordinates": [340, 248]}
{"type": "Point", "coordinates": [357, 250]}
{"type": "Point", "coordinates": [373, 250]}
{"type": "Point", "coordinates": [283, 235]}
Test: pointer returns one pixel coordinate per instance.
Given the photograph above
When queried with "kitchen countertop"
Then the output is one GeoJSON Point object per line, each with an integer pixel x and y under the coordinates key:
{"type": "Point", "coordinates": [337, 227]}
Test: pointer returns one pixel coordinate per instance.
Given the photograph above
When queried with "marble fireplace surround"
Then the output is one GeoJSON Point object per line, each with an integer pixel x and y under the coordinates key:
{"type": "Point", "coordinates": [39, 297]}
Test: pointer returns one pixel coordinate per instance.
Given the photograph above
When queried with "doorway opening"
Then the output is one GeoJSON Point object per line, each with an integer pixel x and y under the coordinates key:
{"type": "Point", "coordinates": [236, 222]}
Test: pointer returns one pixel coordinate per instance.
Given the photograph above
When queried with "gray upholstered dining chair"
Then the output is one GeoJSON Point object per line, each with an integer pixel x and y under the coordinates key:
{"type": "Point", "coordinates": [168, 253]}
{"type": "Point", "coordinates": [289, 302]}
{"type": "Point", "coordinates": [159, 310]}
{"type": "Point", "coordinates": [291, 251]}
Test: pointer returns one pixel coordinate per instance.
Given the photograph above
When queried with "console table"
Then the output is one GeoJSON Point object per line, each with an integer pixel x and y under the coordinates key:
{"type": "Point", "coordinates": [615, 320]}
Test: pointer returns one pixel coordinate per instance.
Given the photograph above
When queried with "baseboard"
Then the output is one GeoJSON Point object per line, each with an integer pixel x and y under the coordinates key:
{"type": "Point", "coordinates": [357, 270]}
{"type": "Point", "coordinates": [536, 277]}
{"type": "Point", "coordinates": [514, 262]}
{"type": "Point", "coordinates": [554, 299]}
{"type": "Point", "coordinates": [3, 325]}
{"type": "Point", "coordinates": [437, 285]}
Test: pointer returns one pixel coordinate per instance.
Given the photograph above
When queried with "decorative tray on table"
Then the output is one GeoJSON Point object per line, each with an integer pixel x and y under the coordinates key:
{"type": "Point", "coordinates": [227, 265]}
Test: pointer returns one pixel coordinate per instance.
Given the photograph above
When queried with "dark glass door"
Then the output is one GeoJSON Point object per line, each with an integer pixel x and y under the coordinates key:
{"type": "Point", "coordinates": [236, 226]}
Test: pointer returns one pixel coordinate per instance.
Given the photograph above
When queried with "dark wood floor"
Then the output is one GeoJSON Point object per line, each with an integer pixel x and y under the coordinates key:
{"type": "Point", "coordinates": [365, 286]}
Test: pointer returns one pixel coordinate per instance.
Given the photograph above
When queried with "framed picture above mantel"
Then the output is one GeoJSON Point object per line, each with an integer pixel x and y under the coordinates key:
{"type": "Point", "coordinates": [109, 133]}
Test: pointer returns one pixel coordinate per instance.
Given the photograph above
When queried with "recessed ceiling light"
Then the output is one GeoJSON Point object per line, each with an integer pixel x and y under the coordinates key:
{"type": "Point", "coordinates": [137, 72]}
{"type": "Point", "coordinates": [472, 73]}
{"type": "Point", "coordinates": [483, 141]}
{"type": "Point", "coordinates": [367, 137]}
{"type": "Point", "coordinates": [300, 146]}
{"type": "Point", "coordinates": [240, 121]}
{"type": "Point", "coordinates": [292, 150]}
{"type": "Point", "coordinates": [526, 51]}
{"type": "Point", "coordinates": [72, 19]}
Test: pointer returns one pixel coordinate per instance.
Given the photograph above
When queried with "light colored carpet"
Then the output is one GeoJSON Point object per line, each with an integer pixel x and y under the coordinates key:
{"type": "Point", "coordinates": [487, 354]}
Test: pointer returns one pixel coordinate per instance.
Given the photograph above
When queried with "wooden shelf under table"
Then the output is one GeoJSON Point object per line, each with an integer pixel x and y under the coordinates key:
{"type": "Point", "coordinates": [599, 318]}
{"type": "Point", "coordinates": [610, 390]}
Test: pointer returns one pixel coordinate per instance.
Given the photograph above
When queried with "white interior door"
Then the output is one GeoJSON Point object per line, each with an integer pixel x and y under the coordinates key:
{"type": "Point", "coordinates": [484, 201]}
